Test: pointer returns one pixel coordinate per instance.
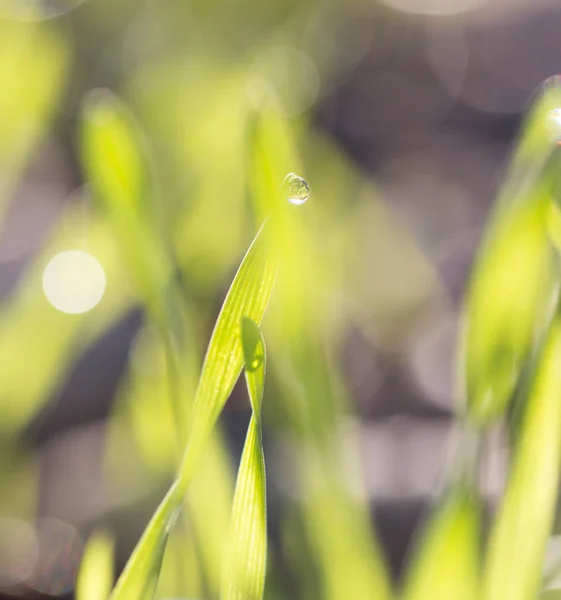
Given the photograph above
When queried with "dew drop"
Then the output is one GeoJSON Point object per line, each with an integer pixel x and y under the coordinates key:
{"type": "Point", "coordinates": [256, 362]}
{"type": "Point", "coordinates": [296, 189]}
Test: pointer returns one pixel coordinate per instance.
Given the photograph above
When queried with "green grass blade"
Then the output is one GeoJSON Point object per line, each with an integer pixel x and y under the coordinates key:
{"type": "Point", "coordinates": [446, 561]}
{"type": "Point", "coordinates": [139, 579]}
{"type": "Point", "coordinates": [118, 167]}
{"type": "Point", "coordinates": [95, 577]}
{"type": "Point", "coordinates": [513, 285]}
{"type": "Point", "coordinates": [244, 572]}
{"type": "Point", "coordinates": [519, 537]}
{"type": "Point", "coordinates": [113, 149]}
{"type": "Point", "coordinates": [248, 296]}
{"type": "Point", "coordinates": [340, 533]}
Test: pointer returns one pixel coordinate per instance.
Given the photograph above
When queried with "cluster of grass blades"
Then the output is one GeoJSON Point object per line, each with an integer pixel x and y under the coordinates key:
{"type": "Point", "coordinates": [117, 170]}
{"type": "Point", "coordinates": [511, 371]}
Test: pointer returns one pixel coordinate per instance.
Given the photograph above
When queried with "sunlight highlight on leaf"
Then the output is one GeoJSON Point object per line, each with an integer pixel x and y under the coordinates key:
{"type": "Point", "coordinates": [32, 73]}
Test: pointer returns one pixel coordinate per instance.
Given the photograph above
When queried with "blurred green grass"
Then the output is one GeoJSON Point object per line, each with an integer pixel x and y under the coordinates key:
{"type": "Point", "coordinates": [183, 171]}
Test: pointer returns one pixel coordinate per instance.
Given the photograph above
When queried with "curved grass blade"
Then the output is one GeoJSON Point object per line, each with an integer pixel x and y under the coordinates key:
{"type": "Point", "coordinates": [519, 537]}
{"type": "Point", "coordinates": [514, 284]}
{"type": "Point", "coordinates": [95, 577]}
{"type": "Point", "coordinates": [248, 296]}
{"type": "Point", "coordinates": [139, 579]}
{"type": "Point", "coordinates": [446, 561]}
{"type": "Point", "coordinates": [244, 572]}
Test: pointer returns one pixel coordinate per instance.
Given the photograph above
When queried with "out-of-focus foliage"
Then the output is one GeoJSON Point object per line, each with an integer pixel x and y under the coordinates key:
{"type": "Point", "coordinates": [220, 93]}
{"type": "Point", "coordinates": [27, 102]}
{"type": "Point", "coordinates": [95, 578]}
{"type": "Point", "coordinates": [514, 283]}
{"type": "Point", "coordinates": [519, 536]}
{"type": "Point", "coordinates": [121, 178]}
{"type": "Point", "coordinates": [446, 563]}
{"type": "Point", "coordinates": [28, 321]}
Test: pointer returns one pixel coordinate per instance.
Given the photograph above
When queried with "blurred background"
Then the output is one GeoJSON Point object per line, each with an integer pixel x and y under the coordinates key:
{"type": "Point", "coordinates": [404, 112]}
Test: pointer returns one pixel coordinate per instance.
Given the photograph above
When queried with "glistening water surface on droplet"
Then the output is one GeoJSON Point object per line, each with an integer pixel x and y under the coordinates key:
{"type": "Point", "coordinates": [296, 190]}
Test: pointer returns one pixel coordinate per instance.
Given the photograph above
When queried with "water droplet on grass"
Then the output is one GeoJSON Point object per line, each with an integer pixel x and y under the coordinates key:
{"type": "Point", "coordinates": [296, 189]}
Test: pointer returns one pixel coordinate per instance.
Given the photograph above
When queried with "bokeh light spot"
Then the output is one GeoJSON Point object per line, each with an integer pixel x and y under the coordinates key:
{"type": "Point", "coordinates": [74, 281]}
{"type": "Point", "coordinates": [60, 553]}
{"type": "Point", "coordinates": [18, 552]}
{"type": "Point", "coordinates": [287, 74]}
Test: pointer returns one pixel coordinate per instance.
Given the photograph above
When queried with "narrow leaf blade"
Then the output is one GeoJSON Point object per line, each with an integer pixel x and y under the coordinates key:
{"type": "Point", "coordinates": [446, 563]}
{"type": "Point", "coordinates": [139, 579]}
{"type": "Point", "coordinates": [119, 170]}
{"type": "Point", "coordinates": [244, 572]}
{"type": "Point", "coordinates": [519, 537]}
{"type": "Point", "coordinates": [95, 577]}
{"type": "Point", "coordinates": [513, 284]}
{"type": "Point", "coordinates": [248, 296]}
{"type": "Point", "coordinates": [111, 150]}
